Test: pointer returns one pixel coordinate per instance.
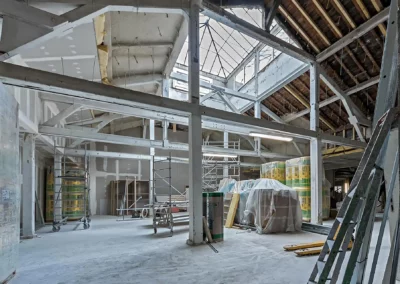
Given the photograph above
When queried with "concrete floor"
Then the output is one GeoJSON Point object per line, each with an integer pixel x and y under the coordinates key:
{"type": "Point", "coordinates": [129, 252]}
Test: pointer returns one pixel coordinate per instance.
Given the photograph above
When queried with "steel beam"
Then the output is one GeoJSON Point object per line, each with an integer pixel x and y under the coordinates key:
{"type": "Point", "coordinates": [77, 89]}
{"type": "Point", "coordinates": [279, 85]}
{"type": "Point", "coordinates": [63, 115]}
{"type": "Point", "coordinates": [353, 90]}
{"type": "Point", "coordinates": [353, 35]}
{"type": "Point", "coordinates": [107, 119]}
{"type": "Point", "coordinates": [130, 156]}
{"type": "Point", "coordinates": [356, 117]}
{"type": "Point", "coordinates": [388, 76]}
{"type": "Point", "coordinates": [184, 78]}
{"type": "Point", "coordinates": [156, 4]}
{"type": "Point", "coordinates": [137, 80]}
{"type": "Point", "coordinates": [221, 15]}
{"type": "Point", "coordinates": [271, 14]}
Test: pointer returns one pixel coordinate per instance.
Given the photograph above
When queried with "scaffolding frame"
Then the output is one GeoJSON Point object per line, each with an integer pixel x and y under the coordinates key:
{"type": "Point", "coordinates": [64, 171]}
{"type": "Point", "coordinates": [215, 169]}
{"type": "Point", "coordinates": [162, 209]}
{"type": "Point", "coordinates": [123, 208]}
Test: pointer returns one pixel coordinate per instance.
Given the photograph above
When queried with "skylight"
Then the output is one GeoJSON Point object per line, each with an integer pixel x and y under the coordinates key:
{"type": "Point", "coordinates": [222, 49]}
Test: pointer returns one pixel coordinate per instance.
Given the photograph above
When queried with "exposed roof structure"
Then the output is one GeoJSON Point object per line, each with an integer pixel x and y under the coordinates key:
{"type": "Point", "coordinates": [316, 25]}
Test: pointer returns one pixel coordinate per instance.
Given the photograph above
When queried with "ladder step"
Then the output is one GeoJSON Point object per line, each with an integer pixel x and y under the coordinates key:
{"type": "Point", "coordinates": [330, 244]}
{"type": "Point", "coordinates": [320, 265]}
{"type": "Point", "coordinates": [340, 220]}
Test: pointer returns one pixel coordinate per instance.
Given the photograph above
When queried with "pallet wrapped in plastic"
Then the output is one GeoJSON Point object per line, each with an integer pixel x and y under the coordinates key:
{"type": "Point", "coordinates": [274, 206]}
{"type": "Point", "coordinates": [243, 188]}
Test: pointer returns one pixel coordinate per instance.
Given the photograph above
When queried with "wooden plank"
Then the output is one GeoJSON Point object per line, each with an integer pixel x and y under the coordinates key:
{"type": "Point", "coordinates": [303, 246]}
{"type": "Point", "coordinates": [232, 210]}
{"type": "Point", "coordinates": [207, 230]}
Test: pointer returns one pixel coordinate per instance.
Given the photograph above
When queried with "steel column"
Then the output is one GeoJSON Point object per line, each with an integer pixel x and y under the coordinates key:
{"type": "Point", "coordinates": [226, 145]}
{"type": "Point", "coordinates": [315, 148]}
{"type": "Point", "coordinates": [195, 133]}
{"type": "Point", "coordinates": [152, 153]}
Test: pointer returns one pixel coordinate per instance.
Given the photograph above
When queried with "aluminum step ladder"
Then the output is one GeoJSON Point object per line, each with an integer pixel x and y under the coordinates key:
{"type": "Point", "coordinates": [356, 213]}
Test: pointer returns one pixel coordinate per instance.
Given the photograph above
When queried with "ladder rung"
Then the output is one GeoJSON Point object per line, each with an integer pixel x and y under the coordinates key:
{"type": "Point", "coordinates": [320, 265]}
{"type": "Point", "coordinates": [330, 243]}
{"type": "Point", "coordinates": [340, 220]}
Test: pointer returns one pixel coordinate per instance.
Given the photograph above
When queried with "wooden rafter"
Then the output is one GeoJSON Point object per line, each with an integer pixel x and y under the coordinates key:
{"type": "Point", "coordinates": [341, 10]}
{"type": "Point", "coordinates": [297, 27]}
{"type": "Point", "coordinates": [278, 105]}
{"type": "Point", "coordinates": [287, 102]}
{"type": "Point", "coordinates": [367, 15]}
{"type": "Point", "coordinates": [340, 61]}
{"type": "Point", "coordinates": [324, 37]}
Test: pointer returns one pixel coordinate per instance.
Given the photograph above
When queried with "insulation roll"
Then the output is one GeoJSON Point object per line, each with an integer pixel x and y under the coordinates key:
{"type": "Point", "coordinates": [274, 170]}
{"type": "Point", "coordinates": [304, 193]}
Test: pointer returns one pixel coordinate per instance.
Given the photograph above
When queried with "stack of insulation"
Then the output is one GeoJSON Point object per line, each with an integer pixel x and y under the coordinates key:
{"type": "Point", "coordinates": [273, 170]}
{"type": "Point", "coordinates": [298, 177]}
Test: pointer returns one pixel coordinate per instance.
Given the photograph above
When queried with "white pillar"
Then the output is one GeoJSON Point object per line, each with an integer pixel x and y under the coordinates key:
{"type": "Point", "coordinates": [226, 144]}
{"type": "Point", "coordinates": [57, 188]}
{"type": "Point", "coordinates": [29, 186]}
{"type": "Point", "coordinates": [195, 134]}
{"type": "Point", "coordinates": [151, 177]}
{"type": "Point", "coordinates": [140, 161]}
{"type": "Point", "coordinates": [315, 148]}
{"type": "Point", "coordinates": [165, 130]}
{"type": "Point", "coordinates": [257, 114]}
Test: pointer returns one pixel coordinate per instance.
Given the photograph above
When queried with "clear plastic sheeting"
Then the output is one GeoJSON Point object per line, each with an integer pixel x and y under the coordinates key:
{"type": "Point", "coordinates": [274, 207]}
{"type": "Point", "coordinates": [243, 188]}
{"type": "Point", "coordinates": [226, 185]}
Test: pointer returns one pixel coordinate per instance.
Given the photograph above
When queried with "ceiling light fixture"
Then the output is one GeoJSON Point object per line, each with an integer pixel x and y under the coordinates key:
{"type": "Point", "coordinates": [219, 155]}
{"type": "Point", "coordinates": [272, 137]}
